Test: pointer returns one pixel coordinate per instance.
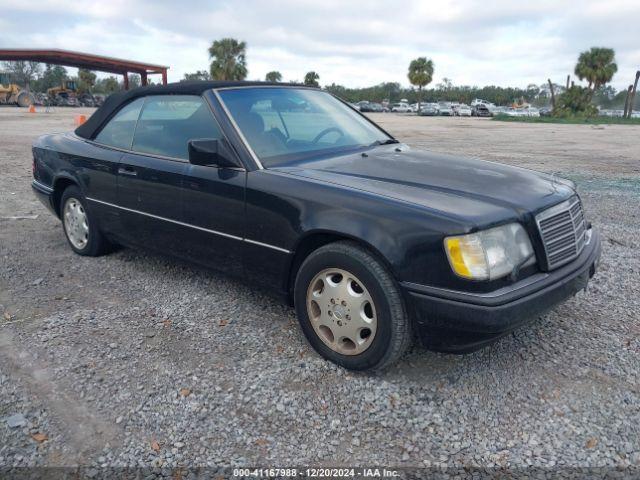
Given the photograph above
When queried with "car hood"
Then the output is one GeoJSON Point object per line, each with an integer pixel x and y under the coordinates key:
{"type": "Point", "coordinates": [465, 188]}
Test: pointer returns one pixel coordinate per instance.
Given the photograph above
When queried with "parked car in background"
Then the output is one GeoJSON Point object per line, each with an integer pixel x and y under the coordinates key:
{"type": "Point", "coordinates": [532, 111]}
{"type": "Point", "coordinates": [360, 104]}
{"type": "Point", "coordinates": [401, 107]}
{"type": "Point", "coordinates": [479, 101]}
{"type": "Point", "coordinates": [364, 106]}
{"type": "Point", "coordinates": [462, 110]}
{"type": "Point", "coordinates": [371, 107]}
{"type": "Point", "coordinates": [546, 111]}
{"type": "Point", "coordinates": [612, 113]}
{"type": "Point", "coordinates": [445, 109]}
{"type": "Point", "coordinates": [481, 110]}
{"type": "Point", "coordinates": [429, 109]}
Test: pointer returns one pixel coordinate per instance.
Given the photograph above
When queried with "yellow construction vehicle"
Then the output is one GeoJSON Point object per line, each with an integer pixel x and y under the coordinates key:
{"type": "Point", "coordinates": [13, 94]}
{"type": "Point", "coordinates": [67, 86]}
{"type": "Point", "coordinates": [65, 94]}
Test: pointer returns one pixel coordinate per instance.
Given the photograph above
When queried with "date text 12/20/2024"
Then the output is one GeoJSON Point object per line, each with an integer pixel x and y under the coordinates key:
{"type": "Point", "coordinates": [315, 473]}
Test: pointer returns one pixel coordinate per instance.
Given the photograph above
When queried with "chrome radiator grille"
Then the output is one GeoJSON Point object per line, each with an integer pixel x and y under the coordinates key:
{"type": "Point", "coordinates": [563, 232]}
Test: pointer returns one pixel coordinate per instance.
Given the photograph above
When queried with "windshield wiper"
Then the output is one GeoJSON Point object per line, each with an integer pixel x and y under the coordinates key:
{"type": "Point", "coordinates": [386, 142]}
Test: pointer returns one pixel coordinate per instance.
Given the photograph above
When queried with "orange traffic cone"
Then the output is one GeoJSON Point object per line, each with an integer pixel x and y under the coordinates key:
{"type": "Point", "coordinates": [32, 109]}
{"type": "Point", "coordinates": [80, 119]}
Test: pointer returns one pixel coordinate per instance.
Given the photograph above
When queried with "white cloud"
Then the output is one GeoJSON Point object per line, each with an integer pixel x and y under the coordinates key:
{"type": "Point", "coordinates": [351, 43]}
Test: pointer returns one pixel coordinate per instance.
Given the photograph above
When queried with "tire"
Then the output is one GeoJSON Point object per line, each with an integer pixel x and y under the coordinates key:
{"type": "Point", "coordinates": [95, 244]}
{"type": "Point", "coordinates": [25, 99]}
{"type": "Point", "coordinates": [389, 330]}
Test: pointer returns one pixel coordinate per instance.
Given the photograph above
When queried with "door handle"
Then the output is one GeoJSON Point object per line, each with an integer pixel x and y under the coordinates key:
{"type": "Point", "coordinates": [127, 171]}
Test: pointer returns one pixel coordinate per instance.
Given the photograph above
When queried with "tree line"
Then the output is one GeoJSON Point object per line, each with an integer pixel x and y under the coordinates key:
{"type": "Point", "coordinates": [596, 66]}
{"type": "Point", "coordinates": [228, 61]}
{"type": "Point", "coordinates": [39, 78]}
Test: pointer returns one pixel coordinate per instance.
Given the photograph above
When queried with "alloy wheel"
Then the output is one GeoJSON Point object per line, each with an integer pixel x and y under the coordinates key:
{"type": "Point", "coordinates": [75, 223]}
{"type": "Point", "coordinates": [341, 311]}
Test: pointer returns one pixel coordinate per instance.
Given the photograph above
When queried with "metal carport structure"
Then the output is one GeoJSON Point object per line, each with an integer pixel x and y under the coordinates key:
{"type": "Point", "coordinates": [87, 61]}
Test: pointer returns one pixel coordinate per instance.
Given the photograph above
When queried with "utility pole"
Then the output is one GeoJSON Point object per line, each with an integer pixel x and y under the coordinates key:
{"type": "Point", "coordinates": [632, 98]}
{"type": "Point", "coordinates": [626, 101]}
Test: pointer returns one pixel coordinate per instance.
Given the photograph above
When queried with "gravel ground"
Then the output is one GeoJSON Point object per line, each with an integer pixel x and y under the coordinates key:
{"type": "Point", "coordinates": [137, 360]}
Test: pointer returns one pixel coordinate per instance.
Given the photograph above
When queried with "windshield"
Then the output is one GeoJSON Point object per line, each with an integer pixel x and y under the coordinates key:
{"type": "Point", "coordinates": [283, 124]}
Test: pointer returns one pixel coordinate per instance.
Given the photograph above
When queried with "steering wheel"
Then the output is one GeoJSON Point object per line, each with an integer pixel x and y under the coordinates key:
{"type": "Point", "coordinates": [327, 131]}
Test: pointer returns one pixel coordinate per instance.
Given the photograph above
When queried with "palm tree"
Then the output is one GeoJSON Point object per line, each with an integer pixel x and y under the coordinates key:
{"type": "Point", "coordinates": [420, 74]}
{"type": "Point", "coordinates": [311, 79]}
{"type": "Point", "coordinates": [228, 59]}
{"type": "Point", "coordinates": [597, 66]}
{"type": "Point", "coordinates": [274, 76]}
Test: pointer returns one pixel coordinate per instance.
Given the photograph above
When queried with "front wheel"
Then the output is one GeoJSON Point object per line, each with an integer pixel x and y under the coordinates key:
{"type": "Point", "coordinates": [350, 308]}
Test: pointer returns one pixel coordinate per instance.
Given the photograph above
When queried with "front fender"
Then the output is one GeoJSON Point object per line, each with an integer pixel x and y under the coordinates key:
{"type": "Point", "coordinates": [283, 210]}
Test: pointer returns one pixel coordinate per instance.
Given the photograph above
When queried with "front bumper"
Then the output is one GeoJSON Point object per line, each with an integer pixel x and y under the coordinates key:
{"type": "Point", "coordinates": [461, 322]}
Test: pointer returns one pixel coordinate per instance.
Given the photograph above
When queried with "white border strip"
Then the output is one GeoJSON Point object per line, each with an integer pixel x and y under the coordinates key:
{"type": "Point", "coordinates": [215, 232]}
{"type": "Point", "coordinates": [255, 242]}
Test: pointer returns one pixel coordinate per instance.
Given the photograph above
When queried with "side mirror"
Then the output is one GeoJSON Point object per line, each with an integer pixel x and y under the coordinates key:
{"type": "Point", "coordinates": [211, 152]}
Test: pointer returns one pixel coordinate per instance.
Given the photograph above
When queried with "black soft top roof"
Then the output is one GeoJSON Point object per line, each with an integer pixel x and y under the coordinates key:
{"type": "Point", "coordinates": [112, 104]}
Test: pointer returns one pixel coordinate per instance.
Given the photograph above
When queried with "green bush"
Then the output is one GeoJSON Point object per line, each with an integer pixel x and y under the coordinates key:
{"type": "Point", "coordinates": [575, 102]}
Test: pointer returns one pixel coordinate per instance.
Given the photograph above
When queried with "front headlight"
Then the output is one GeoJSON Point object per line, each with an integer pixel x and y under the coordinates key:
{"type": "Point", "coordinates": [490, 254]}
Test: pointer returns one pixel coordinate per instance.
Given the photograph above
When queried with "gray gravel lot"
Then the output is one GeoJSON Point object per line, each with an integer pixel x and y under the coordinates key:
{"type": "Point", "coordinates": [134, 359]}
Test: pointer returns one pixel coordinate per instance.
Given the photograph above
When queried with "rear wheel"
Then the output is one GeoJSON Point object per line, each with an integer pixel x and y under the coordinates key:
{"type": "Point", "coordinates": [350, 308]}
{"type": "Point", "coordinates": [79, 226]}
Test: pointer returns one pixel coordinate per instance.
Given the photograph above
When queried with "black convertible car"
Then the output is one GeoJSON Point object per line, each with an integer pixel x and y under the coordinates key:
{"type": "Point", "coordinates": [292, 189]}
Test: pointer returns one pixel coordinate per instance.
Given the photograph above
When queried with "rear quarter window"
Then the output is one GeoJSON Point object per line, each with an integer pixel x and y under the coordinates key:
{"type": "Point", "coordinates": [118, 132]}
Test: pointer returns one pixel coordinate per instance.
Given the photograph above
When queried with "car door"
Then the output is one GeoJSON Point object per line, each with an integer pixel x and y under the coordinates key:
{"type": "Point", "coordinates": [194, 212]}
{"type": "Point", "coordinates": [149, 190]}
{"type": "Point", "coordinates": [101, 164]}
{"type": "Point", "coordinates": [213, 204]}
{"type": "Point", "coordinates": [150, 178]}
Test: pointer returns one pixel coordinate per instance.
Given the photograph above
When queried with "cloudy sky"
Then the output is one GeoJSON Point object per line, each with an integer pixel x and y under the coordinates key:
{"type": "Point", "coordinates": [503, 42]}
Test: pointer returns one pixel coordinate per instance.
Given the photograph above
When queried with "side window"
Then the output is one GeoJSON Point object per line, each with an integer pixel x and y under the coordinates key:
{"type": "Point", "coordinates": [118, 132]}
{"type": "Point", "coordinates": [168, 122]}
